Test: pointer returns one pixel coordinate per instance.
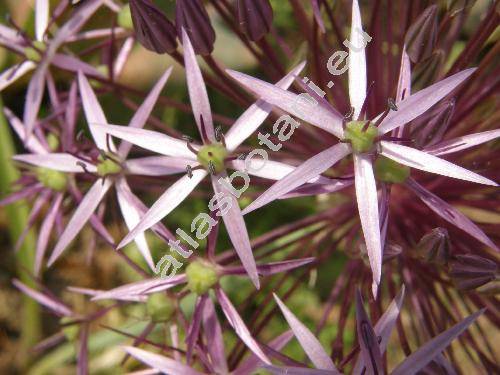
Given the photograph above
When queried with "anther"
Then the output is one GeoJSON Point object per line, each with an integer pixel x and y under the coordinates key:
{"type": "Point", "coordinates": [242, 156]}
{"type": "Point", "coordinates": [218, 133]}
{"type": "Point", "coordinates": [391, 106]}
{"type": "Point", "coordinates": [188, 140]}
{"type": "Point", "coordinates": [189, 171]}
{"type": "Point", "coordinates": [83, 166]}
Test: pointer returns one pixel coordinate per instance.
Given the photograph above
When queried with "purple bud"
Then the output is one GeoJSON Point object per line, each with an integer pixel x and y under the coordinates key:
{"type": "Point", "coordinates": [153, 30]}
{"type": "Point", "coordinates": [435, 246]}
{"type": "Point", "coordinates": [192, 16]}
{"type": "Point", "coordinates": [472, 271]}
{"type": "Point", "coordinates": [255, 17]}
{"type": "Point", "coordinates": [421, 36]}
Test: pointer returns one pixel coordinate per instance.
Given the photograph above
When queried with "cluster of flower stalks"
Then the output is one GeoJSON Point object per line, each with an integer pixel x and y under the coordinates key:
{"type": "Point", "coordinates": [334, 209]}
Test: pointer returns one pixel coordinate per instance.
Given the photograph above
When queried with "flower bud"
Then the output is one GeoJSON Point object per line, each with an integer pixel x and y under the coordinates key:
{"type": "Point", "coordinates": [192, 16]}
{"type": "Point", "coordinates": [472, 271]}
{"type": "Point", "coordinates": [255, 17]}
{"type": "Point", "coordinates": [435, 246]}
{"type": "Point", "coordinates": [153, 30]}
{"type": "Point", "coordinates": [421, 37]}
{"type": "Point", "coordinates": [160, 307]}
{"type": "Point", "coordinates": [201, 276]}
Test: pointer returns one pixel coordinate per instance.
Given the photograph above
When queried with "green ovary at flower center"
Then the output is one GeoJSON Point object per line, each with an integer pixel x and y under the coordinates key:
{"type": "Point", "coordinates": [201, 277]}
{"type": "Point", "coordinates": [108, 167]}
{"type": "Point", "coordinates": [52, 179]}
{"type": "Point", "coordinates": [387, 170]}
{"type": "Point", "coordinates": [214, 154]}
{"type": "Point", "coordinates": [35, 53]}
{"type": "Point", "coordinates": [361, 139]}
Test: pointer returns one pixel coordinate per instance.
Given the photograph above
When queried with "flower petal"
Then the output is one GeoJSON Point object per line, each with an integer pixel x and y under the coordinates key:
{"type": "Point", "coordinates": [418, 103]}
{"type": "Point", "coordinates": [256, 114]}
{"type": "Point", "coordinates": [239, 326]}
{"type": "Point", "coordinates": [142, 114]}
{"type": "Point", "coordinates": [52, 304]}
{"type": "Point", "coordinates": [41, 18]}
{"type": "Point", "coordinates": [317, 15]}
{"type": "Point", "coordinates": [9, 76]}
{"type": "Point", "coordinates": [367, 340]}
{"type": "Point", "coordinates": [81, 215]}
{"type": "Point", "coordinates": [383, 329]}
{"type": "Point", "coordinates": [213, 334]}
{"type": "Point", "coordinates": [194, 326]}
{"type": "Point", "coordinates": [357, 61]}
{"type": "Point", "coordinates": [168, 201]}
{"type": "Point", "coordinates": [34, 96]}
{"type": "Point", "coordinates": [287, 370]}
{"type": "Point", "coordinates": [272, 170]}
{"type": "Point", "coordinates": [404, 81]}
{"type": "Point", "coordinates": [159, 362]}
{"type": "Point", "coordinates": [425, 354]}
{"type": "Point", "coordinates": [310, 169]}
{"type": "Point", "coordinates": [158, 165]}
{"type": "Point", "coordinates": [421, 160]}
{"type": "Point", "coordinates": [449, 213]}
{"type": "Point", "coordinates": [150, 140]}
{"type": "Point", "coordinates": [307, 341]}
{"type": "Point", "coordinates": [236, 228]}
{"type": "Point", "coordinates": [366, 196]}
{"type": "Point", "coordinates": [74, 64]}
{"type": "Point", "coordinates": [463, 143]}
{"type": "Point", "coordinates": [93, 113]}
{"type": "Point", "coordinates": [197, 90]}
{"type": "Point", "coordinates": [32, 143]}
{"type": "Point", "coordinates": [132, 217]}
{"type": "Point", "coordinates": [294, 104]}
{"type": "Point", "coordinates": [59, 162]}
{"type": "Point", "coordinates": [45, 230]}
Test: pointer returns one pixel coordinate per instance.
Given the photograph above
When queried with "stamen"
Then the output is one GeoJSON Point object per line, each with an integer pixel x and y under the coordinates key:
{"type": "Point", "coordinates": [218, 133]}
{"type": "Point", "coordinates": [365, 126]}
{"type": "Point", "coordinates": [189, 171]}
{"type": "Point", "coordinates": [83, 166]}
{"type": "Point", "coordinates": [397, 139]}
{"type": "Point", "coordinates": [188, 139]}
{"type": "Point", "coordinates": [365, 102]}
{"type": "Point", "coordinates": [204, 136]}
{"type": "Point", "coordinates": [391, 105]}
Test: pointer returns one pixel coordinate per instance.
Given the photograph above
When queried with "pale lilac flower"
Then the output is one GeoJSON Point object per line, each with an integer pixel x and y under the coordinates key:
{"type": "Point", "coordinates": [111, 168]}
{"type": "Point", "coordinates": [354, 134]}
{"type": "Point", "coordinates": [372, 342]}
{"type": "Point", "coordinates": [216, 153]}
{"type": "Point", "coordinates": [41, 53]}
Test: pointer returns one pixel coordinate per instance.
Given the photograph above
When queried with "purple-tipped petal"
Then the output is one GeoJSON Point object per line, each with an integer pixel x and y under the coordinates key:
{"type": "Point", "coordinates": [367, 198]}
{"type": "Point", "coordinates": [197, 91]}
{"type": "Point", "coordinates": [294, 104]}
{"type": "Point", "coordinates": [256, 114]}
{"type": "Point", "coordinates": [383, 329]}
{"type": "Point", "coordinates": [158, 165]}
{"type": "Point", "coordinates": [150, 140]}
{"type": "Point", "coordinates": [144, 111]}
{"type": "Point", "coordinates": [122, 57]}
{"type": "Point", "coordinates": [449, 213]}
{"type": "Point", "coordinates": [367, 339]}
{"type": "Point", "coordinates": [308, 170]}
{"type": "Point", "coordinates": [159, 362]}
{"type": "Point", "coordinates": [425, 354]}
{"type": "Point", "coordinates": [45, 230]}
{"type": "Point", "coordinates": [420, 102]}
{"type": "Point", "coordinates": [309, 343]}
{"type": "Point", "coordinates": [213, 335]}
{"type": "Point", "coordinates": [11, 75]}
{"type": "Point", "coordinates": [463, 143]}
{"type": "Point", "coordinates": [421, 160]}
{"type": "Point", "coordinates": [81, 215]}
{"type": "Point", "coordinates": [93, 113]}
{"type": "Point", "coordinates": [404, 81]}
{"type": "Point", "coordinates": [56, 306]}
{"type": "Point", "coordinates": [59, 162]}
{"type": "Point", "coordinates": [239, 326]}
{"type": "Point", "coordinates": [168, 201]}
{"type": "Point", "coordinates": [236, 228]}
{"type": "Point", "coordinates": [132, 217]}
{"type": "Point", "coordinates": [357, 62]}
